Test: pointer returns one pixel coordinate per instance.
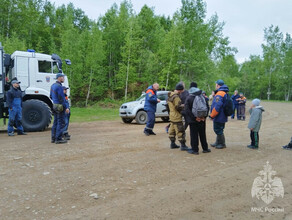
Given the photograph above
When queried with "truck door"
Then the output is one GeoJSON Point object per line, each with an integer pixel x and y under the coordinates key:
{"type": "Point", "coordinates": [46, 74]}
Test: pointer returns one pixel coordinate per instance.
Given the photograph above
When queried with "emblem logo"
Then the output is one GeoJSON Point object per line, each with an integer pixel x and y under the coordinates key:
{"type": "Point", "coordinates": [266, 187]}
{"type": "Point", "coordinates": [48, 79]}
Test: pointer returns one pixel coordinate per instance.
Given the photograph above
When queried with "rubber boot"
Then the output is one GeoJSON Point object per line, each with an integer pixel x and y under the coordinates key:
{"type": "Point", "coordinates": [183, 146]}
{"type": "Point", "coordinates": [216, 142]}
{"type": "Point", "coordinates": [172, 144]}
{"type": "Point", "coordinates": [221, 142]}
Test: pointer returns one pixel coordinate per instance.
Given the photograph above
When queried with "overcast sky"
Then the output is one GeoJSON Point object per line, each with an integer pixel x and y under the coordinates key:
{"type": "Point", "coordinates": [245, 20]}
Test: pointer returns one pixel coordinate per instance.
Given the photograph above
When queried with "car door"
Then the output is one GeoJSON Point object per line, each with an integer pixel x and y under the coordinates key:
{"type": "Point", "coordinates": [161, 105]}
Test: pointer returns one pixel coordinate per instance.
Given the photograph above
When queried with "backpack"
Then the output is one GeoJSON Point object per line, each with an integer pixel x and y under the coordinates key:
{"type": "Point", "coordinates": [199, 108]}
{"type": "Point", "coordinates": [228, 106]}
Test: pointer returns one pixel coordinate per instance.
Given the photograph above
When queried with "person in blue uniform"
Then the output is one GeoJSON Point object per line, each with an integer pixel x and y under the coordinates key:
{"type": "Point", "coordinates": [150, 105]}
{"type": "Point", "coordinates": [60, 107]}
{"type": "Point", "coordinates": [67, 116]}
{"type": "Point", "coordinates": [14, 102]}
{"type": "Point", "coordinates": [217, 113]}
{"type": "Point", "coordinates": [235, 98]}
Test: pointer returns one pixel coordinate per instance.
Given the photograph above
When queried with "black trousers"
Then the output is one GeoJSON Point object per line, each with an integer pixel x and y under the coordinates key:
{"type": "Point", "coordinates": [254, 136]}
{"type": "Point", "coordinates": [198, 129]}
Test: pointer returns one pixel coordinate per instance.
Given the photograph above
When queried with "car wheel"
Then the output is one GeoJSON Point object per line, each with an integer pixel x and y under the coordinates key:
{"type": "Point", "coordinates": [141, 117]}
{"type": "Point", "coordinates": [165, 119]}
{"type": "Point", "coordinates": [127, 120]}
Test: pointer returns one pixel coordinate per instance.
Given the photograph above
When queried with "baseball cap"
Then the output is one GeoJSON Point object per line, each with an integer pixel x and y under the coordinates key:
{"type": "Point", "coordinates": [220, 82]}
{"type": "Point", "coordinates": [60, 75]}
{"type": "Point", "coordinates": [65, 88]}
{"type": "Point", "coordinates": [15, 81]}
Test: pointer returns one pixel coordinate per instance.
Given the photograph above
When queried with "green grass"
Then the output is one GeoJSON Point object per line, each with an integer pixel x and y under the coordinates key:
{"type": "Point", "coordinates": [93, 114]}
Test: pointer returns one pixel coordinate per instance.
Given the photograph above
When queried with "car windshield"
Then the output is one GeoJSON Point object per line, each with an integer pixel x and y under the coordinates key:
{"type": "Point", "coordinates": [141, 97]}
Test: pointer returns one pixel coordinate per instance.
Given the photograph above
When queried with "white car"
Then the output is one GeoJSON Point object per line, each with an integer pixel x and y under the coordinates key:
{"type": "Point", "coordinates": [135, 110]}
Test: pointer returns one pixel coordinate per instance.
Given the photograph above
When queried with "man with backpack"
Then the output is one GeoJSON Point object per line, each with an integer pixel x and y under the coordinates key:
{"type": "Point", "coordinates": [196, 109]}
{"type": "Point", "coordinates": [221, 108]}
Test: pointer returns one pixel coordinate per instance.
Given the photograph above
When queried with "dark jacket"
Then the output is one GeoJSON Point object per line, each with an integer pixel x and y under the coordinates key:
{"type": "Point", "coordinates": [57, 95]}
{"type": "Point", "coordinates": [150, 100]}
{"type": "Point", "coordinates": [189, 117]}
{"type": "Point", "coordinates": [11, 95]}
{"type": "Point", "coordinates": [183, 97]}
{"type": "Point", "coordinates": [234, 97]}
{"type": "Point", "coordinates": [217, 112]}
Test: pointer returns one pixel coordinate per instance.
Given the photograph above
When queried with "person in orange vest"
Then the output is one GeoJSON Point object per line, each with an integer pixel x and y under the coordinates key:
{"type": "Point", "coordinates": [241, 107]}
{"type": "Point", "coordinates": [150, 105]}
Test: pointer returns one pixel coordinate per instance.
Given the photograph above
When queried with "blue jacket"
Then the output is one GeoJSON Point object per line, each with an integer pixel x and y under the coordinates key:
{"type": "Point", "coordinates": [57, 95]}
{"type": "Point", "coordinates": [150, 100]}
{"type": "Point", "coordinates": [217, 112]}
{"type": "Point", "coordinates": [234, 97]}
{"type": "Point", "coordinates": [11, 97]}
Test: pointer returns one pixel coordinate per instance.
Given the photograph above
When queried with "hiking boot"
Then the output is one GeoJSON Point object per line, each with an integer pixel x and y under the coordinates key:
{"type": "Point", "coordinates": [173, 145]}
{"type": "Point", "coordinates": [183, 146]}
{"type": "Point", "coordinates": [11, 134]}
{"type": "Point", "coordinates": [151, 132]}
{"type": "Point", "coordinates": [191, 151]}
{"type": "Point", "coordinates": [207, 151]}
{"type": "Point", "coordinates": [67, 136]}
{"type": "Point", "coordinates": [221, 142]}
{"type": "Point", "coordinates": [21, 133]}
{"type": "Point", "coordinates": [216, 142]}
{"type": "Point", "coordinates": [61, 141]}
{"type": "Point", "coordinates": [252, 147]}
{"type": "Point", "coordinates": [146, 132]}
{"type": "Point", "coordinates": [287, 147]}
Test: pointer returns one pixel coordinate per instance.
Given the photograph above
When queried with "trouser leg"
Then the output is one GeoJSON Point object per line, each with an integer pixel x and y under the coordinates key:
{"type": "Point", "coordinates": [150, 121]}
{"type": "Point", "coordinates": [202, 134]}
{"type": "Point", "coordinates": [12, 115]}
{"type": "Point", "coordinates": [18, 120]}
{"type": "Point", "coordinates": [194, 137]}
{"type": "Point", "coordinates": [252, 138]}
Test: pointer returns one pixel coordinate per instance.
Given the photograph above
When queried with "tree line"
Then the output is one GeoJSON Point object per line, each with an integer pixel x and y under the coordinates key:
{"type": "Point", "coordinates": [119, 54]}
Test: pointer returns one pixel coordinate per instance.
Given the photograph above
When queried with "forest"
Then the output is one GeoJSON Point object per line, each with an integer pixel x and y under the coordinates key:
{"type": "Point", "coordinates": [118, 55]}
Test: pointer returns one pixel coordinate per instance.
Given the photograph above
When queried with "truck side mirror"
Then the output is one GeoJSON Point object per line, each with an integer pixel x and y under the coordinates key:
{"type": "Point", "coordinates": [68, 62]}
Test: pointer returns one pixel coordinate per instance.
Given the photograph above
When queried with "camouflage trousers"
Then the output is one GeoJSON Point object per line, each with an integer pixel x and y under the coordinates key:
{"type": "Point", "coordinates": [177, 129]}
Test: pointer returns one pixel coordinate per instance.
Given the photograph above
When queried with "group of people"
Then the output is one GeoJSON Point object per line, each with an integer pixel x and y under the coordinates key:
{"type": "Point", "coordinates": [193, 106]}
{"type": "Point", "coordinates": [61, 110]}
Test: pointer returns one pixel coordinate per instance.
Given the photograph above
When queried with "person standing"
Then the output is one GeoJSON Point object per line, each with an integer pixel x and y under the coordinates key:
{"type": "Point", "coordinates": [197, 124]}
{"type": "Point", "coordinates": [255, 122]}
{"type": "Point", "coordinates": [176, 125]}
{"type": "Point", "coordinates": [60, 107]}
{"type": "Point", "coordinates": [67, 116]}
{"type": "Point", "coordinates": [183, 97]}
{"type": "Point", "coordinates": [14, 102]}
{"type": "Point", "coordinates": [235, 98]}
{"type": "Point", "coordinates": [241, 107]}
{"type": "Point", "coordinates": [217, 114]}
{"type": "Point", "coordinates": [150, 105]}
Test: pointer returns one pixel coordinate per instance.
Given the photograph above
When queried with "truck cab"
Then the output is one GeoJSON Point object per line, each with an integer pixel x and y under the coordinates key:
{"type": "Point", "coordinates": [36, 72]}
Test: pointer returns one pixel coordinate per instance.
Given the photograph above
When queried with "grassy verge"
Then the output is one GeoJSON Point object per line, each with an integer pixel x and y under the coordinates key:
{"type": "Point", "coordinates": [93, 114]}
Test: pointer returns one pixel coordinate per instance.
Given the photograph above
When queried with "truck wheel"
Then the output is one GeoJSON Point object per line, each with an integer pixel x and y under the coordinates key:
{"type": "Point", "coordinates": [127, 120]}
{"type": "Point", "coordinates": [141, 117]}
{"type": "Point", "coordinates": [36, 115]}
{"type": "Point", "coordinates": [165, 119]}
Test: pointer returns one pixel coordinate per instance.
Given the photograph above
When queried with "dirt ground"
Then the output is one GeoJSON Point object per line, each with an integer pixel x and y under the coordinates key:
{"type": "Point", "coordinates": [111, 170]}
